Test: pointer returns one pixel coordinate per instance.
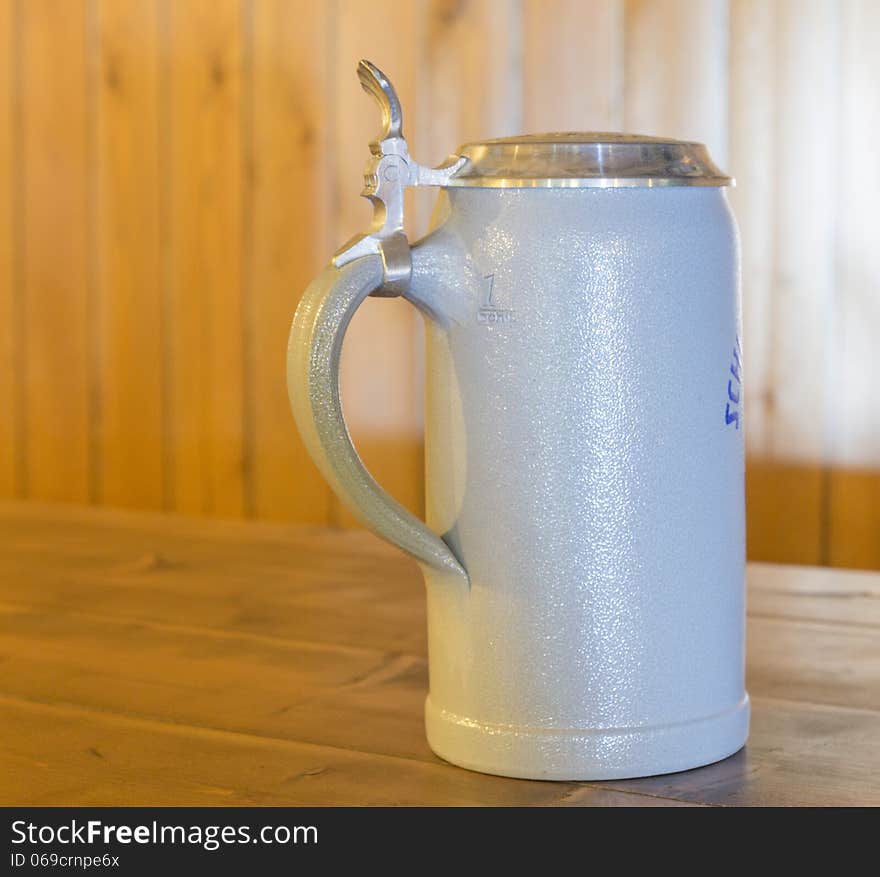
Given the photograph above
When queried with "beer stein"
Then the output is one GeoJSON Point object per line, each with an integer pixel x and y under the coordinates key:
{"type": "Point", "coordinates": [584, 543]}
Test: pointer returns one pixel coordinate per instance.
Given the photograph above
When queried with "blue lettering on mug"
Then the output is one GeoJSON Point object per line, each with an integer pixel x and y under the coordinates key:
{"type": "Point", "coordinates": [732, 414]}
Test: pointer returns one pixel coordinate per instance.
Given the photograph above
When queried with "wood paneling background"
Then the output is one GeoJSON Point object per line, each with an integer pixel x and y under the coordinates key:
{"type": "Point", "coordinates": [173, 174]}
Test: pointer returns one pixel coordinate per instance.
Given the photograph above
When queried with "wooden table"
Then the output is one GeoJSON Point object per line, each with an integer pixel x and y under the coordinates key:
{"type": "Point", "coordinates": [153, 659]}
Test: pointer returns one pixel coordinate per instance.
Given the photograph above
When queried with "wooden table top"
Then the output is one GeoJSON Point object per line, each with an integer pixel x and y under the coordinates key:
{"type": "Point", "coordinates": [155, 659]}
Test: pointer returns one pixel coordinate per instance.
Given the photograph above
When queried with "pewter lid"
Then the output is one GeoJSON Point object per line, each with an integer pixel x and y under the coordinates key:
{"type": "Point", "coordinates": [585, 160]}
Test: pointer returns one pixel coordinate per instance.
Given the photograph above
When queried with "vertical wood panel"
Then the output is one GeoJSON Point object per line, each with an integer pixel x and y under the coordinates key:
{"type": "Point", "coordinates": [752, 131]}
{"type": "Point", "coordinates": [854, 538]}
{"type": "Point", "coordinates": [470, 84]}
{"type": "Point", "coordinates": [129, 259]}
{"type": "Point", "coordinates": [805, 197]}
{"type": "Point", "coordinates": [784, 511]}
{"type": "Point", "coordinates": [289, 185]}
{"type": "Point", "coordinates": [470, 76]}
{"type": "Point", "coordinates": [205, 306]}
{"type": "Point", "coordinates": [854, 527]}
{"type": "Point", "coordinates": [147, 282]}
{"type": "Point", "coordinates": [804, 262]}
{"type": "Point", "coordinates": [8, 292]}
{"type": "Point", "coordinates": [573, 65]}
{"type": "Point", "coordinates": [380, 389]}
{"type": "Point", "coordinates": [783, 499]}
{"type": "Point", "coordinates": [676, 71]}
{"type": "Point", "coordinates": [55, 239]}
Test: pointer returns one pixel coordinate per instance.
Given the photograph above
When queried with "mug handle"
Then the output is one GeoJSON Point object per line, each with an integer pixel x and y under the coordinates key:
{"type": "Point", "coordinates": [313, 353]}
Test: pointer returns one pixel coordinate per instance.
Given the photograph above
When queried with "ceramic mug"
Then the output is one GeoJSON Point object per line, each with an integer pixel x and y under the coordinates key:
{"type": "Point", "coordinates": [584, 546]}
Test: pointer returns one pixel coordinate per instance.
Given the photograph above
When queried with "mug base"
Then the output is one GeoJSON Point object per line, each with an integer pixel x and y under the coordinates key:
{"type": "Point", "coordinates": [567, 754]}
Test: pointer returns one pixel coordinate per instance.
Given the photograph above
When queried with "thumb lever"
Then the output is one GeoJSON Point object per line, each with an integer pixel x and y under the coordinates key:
{"type": "Point", "coordinates": [389, 171]}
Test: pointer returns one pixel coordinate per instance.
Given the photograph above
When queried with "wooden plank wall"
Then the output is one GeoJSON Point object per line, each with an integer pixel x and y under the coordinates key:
{"type": "Point", "coordinates": [173, 174]}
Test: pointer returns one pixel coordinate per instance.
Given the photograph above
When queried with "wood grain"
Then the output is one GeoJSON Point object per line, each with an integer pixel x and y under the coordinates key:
{"type": "Point", "coordinates": [173, 174]}
{"type": "Point", "coordinates": [803, 593]}
{"type": "Point", "coordinates": [662, 96]}
{"type": "Point", "coordinates": [9, 370]}
{"type": "Point", "coordinates": [473, 77]}
{"type": "Point", "coordinates": [797, 755]}
{"type": "Point", "coordinates": [380, 376]}
{"type": "Point", "coordinates": [469, 84]}
{"type": "Point", "coordinates": [55, 238]}
{"type": "Point", "coordinates": [807, 38]}
{"type": "Point", "coordinates": [181, 661]}
{"type": "Point", "coordinates": [289, 190]}
{"type": "Point", "coordinates": [205, 305]}
{"type": "Point", "coordinates": [582, 44]}
{"type": "Point", "coordinates": [95, 759]}
{"type": "Point", "coordinates": [854, 526]}
{"type": "Point", "coordinates": [786, 511]}
{"type": "Point", "coordinates": [128, 240]}
{"type": "Point", "coordinates": [751, 139]}
{"type": "Point", "coordinates": [854, 426]}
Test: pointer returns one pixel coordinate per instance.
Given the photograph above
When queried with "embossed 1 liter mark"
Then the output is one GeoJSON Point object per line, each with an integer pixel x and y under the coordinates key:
{"type": "Point", "coordinates": [489, 311]}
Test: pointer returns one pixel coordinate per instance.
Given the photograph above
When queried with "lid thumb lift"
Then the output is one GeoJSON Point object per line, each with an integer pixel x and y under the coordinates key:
{"type": "Point", "coordinates": [389, 171]}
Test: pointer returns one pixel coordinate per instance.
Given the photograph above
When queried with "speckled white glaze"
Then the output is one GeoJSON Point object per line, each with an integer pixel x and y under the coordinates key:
{"type": "Point", "coordinates": [581, 466]}
{"type": "Point", "coordinates": [584, 469]}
